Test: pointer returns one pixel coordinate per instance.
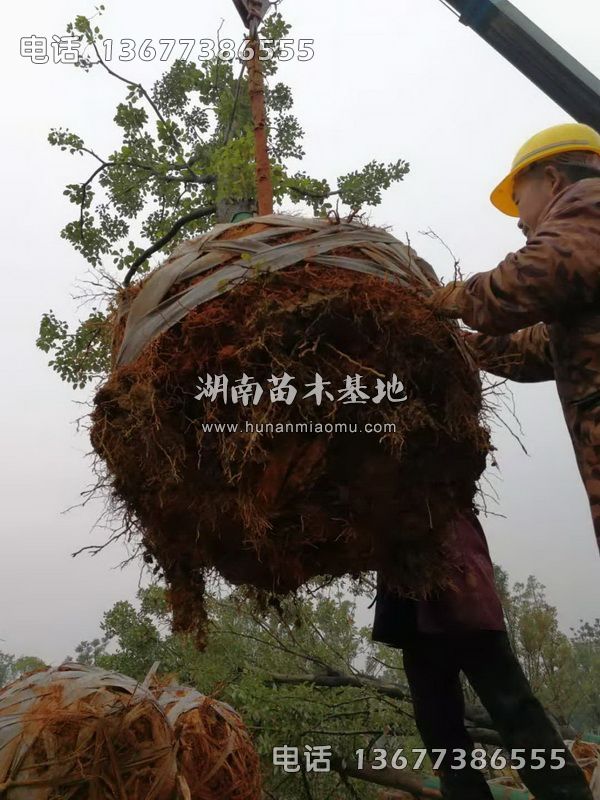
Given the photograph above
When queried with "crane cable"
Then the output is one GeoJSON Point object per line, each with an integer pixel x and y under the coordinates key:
{"type": "Point", "coordinates": [450, 8]}
{"type": "Point", "coordinates": [235, 103]}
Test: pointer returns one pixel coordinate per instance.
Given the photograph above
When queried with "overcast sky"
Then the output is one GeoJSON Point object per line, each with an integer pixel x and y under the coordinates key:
{"type": "Point", "coordinates": [390, 79]}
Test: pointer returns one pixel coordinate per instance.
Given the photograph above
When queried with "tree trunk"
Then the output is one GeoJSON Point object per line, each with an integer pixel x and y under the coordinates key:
{"type": "Point", "coordinates": [256, 86]}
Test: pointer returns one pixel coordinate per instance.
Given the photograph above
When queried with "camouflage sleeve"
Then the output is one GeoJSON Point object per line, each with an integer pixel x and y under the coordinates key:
{"type": "Point", "coordinates": [523, 356]}
{"type": "Point", "coordinates": [557, 272]}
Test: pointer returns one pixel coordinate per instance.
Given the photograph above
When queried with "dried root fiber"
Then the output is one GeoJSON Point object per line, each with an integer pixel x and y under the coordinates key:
{"type": "Point", "coordinates": [79, 733]}
{"type": "Point", "coordinates": [216, 756]}
{"type": "Point", "coordinates": [304, 297]}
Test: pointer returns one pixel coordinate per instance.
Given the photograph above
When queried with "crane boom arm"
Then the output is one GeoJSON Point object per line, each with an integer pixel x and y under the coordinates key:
{"type": "Point", "coordinates": [536, 55]}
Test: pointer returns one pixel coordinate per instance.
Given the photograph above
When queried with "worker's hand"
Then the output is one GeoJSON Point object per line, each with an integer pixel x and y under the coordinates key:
{"type": "Point", "coordinates": [448, 301]}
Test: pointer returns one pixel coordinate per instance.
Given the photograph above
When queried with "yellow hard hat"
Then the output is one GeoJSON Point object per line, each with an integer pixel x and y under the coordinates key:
{"type": "Point", "coordinates": [550, 142]}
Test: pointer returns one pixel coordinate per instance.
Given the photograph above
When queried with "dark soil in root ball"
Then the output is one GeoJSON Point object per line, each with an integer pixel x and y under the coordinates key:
{"type": "Point", "coordinates": [274, 510]}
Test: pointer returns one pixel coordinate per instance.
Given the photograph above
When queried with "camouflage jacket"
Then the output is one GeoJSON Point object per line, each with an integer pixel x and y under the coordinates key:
{"type": "Point", "coordinates": [541, 305]}
{"type": "Point", "coordinates": [538, 314]}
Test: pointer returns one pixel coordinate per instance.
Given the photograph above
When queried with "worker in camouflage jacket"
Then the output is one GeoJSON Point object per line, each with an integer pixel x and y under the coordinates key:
{"type": "Point", "coordinates": [538, 312]}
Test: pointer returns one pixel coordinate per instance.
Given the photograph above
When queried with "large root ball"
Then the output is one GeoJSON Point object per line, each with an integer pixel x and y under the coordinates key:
{"type": "Point", "coordinates": [347, 477]}
{"type": "Point", "coordinates": [216, 756]}
{"type": "Point", "coordinates": [77, 733]}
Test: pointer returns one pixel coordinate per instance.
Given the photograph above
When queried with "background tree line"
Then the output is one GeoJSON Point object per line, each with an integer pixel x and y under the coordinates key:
{"type": "Point", "coordinates": [307, 673]}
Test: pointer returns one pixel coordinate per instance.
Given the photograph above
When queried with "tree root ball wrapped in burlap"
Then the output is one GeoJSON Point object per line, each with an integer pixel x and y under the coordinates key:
{"type": "Point", "coordinates": [273, 507]}
{"type": "Point", "coordinates": [80, 733]}
{"type": "Point", "coordinates": [216, 756]}
{"type": "Point", "coordinates": [588, 758]}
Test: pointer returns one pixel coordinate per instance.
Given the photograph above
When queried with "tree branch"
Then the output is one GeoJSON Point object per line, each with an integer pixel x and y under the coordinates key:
{"type": "Point", "coordinates": [314, 195]}
{"type": "Point", "coordinates": [338, 681]}
{"type": "Point", "coordinates": [194, 178]}
{"type": "Point", "coordinates": [389, 777]}
{"type": "Point", "coordinates": [235, 104]}
{"type": "Point", "coordinates": [205, 211]}
{"type": "Point", "coordinates": [474, 715]}
{"type": "Point", "coordinates": [84, 188]}
{"type": "Point", "coordinates": [278, 645]}
{"type": "Point", "coordinates": [484, 736]}
{"type": "Point", "coordinates": [94, 155]}
{"type": "Point", "coordinates": [351, 790]}
{"type": "Point", "coordinates": [175, 142]}
{"type": "Point", "coordinates": [324, 732]}
{"type": "Point", "coordinates": [306, 786]}
{"type": "Point", "coordinates": [479, 725]}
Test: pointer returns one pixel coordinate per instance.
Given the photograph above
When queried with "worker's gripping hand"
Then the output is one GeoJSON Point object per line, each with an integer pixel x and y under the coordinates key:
{"type": "Point", "coordinates": [448, 300]}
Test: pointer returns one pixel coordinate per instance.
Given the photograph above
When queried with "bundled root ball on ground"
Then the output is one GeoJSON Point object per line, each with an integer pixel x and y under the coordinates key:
{"type": "Point", "coordinates": [216, 756]}
{"type": "Point", "coordinates": [273, 507]}
{"type": "Point", "coordinates": [77, 733]}
{"type": "Point", "coordinates": [588, 758]}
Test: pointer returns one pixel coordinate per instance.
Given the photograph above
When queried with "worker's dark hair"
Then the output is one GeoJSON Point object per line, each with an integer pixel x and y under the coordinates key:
{"type": "Point", "coordinates": [576, 172]}
{"type": "Point", "coordinates": [573, 172]}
